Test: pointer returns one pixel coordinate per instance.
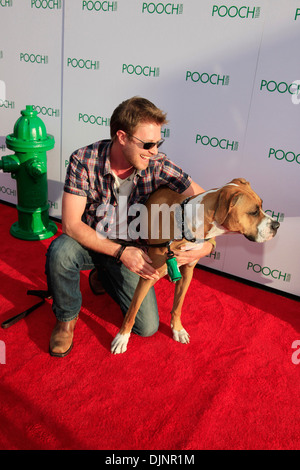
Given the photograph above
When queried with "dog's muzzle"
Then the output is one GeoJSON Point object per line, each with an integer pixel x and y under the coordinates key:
{"type": "Point", "coordinates": [266, 230]}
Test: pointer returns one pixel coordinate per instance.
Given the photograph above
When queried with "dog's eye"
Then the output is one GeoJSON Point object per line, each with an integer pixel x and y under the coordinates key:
{"type": "Point", "coordinates": [254, 213]}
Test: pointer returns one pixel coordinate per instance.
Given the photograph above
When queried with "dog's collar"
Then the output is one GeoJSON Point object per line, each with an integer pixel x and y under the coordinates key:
{"type": "Point", "coordinates": [185, 232]}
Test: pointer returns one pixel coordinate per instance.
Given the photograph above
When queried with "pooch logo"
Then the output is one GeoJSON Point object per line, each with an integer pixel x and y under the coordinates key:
{"type": "Point", "coordinates": [268, 272]}
{"type": "Point", "coordinates": [160, 8]}
{"type": "Point", "coordinates": [44, 111]}
{"type": "Point", "coordinates": [146, 71]}
{"type": "Point", "coordinates": [288, 157]}
{"type": "Point", "coordinates": [233, 11]}
{"type": "Point", "coordinates": [215, 255]}
{"type": "Point", "coordinates": [46, 4]}
{"type": "Point", "coordinates": [6, 3]}
{"type": "Point", "coordinates": [52, 204]}
{"type": "Point", "coordinates": [87, 64]}
{"type": "Point", "coordinates": [165, 132]}
{"type": "Point", "coordinates": [92, 119]}
{"type": "Point", "coordinates": [281, 87]}
{"type": "Point", "coordinates": [223, 144]}
{"type": "Point", "coordinates": [100, 6]}
{"type": "Point", "coordinates": [33, 58]}
{"type": "Point", "coordinates": [213, 79]}
{"type": "Point", "coordinates": [8, 191]}
{"type": "Point", "coordinates": [7, 104]}
{"type": "Point", "coordinates": [279, 216]}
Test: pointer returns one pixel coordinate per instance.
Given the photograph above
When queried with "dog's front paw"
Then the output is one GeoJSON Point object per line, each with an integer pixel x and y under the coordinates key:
{"type": "Point", "coordinates": [119, 343]}
{"type": "Point", "coordinates": [181, 336]}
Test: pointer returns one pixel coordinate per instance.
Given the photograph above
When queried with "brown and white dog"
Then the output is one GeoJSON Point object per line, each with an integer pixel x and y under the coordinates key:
{"type": "Point", "coordinates": [234, 207]}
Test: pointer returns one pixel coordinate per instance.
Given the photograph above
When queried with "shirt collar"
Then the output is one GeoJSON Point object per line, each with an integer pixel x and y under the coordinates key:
{"type": "Point", "coordinates": [107, 168]}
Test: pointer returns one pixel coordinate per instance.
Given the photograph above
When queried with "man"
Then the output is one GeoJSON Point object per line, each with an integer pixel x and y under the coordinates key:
{"type": "Point", "coordinates": [128, 165]}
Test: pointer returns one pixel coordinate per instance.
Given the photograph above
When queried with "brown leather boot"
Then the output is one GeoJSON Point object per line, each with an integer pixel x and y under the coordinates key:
{"type": "Point", "coordinates": [95, 283]}
{"type": "Point", "coordinates": [61, 341]}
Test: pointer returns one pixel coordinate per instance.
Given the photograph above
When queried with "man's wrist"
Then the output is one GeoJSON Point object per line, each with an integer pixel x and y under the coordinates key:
{"type": "Point", "coordinates": [119, 254]}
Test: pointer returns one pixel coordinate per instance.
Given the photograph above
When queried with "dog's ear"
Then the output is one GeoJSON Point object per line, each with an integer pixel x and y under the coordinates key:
{"type": "Point", "coordinates": [226, 201]}
{"type": "Point", "coordinates": [240, 181]}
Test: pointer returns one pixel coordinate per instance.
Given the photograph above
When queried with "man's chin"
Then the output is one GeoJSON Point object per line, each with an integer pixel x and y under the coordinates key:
{"type": "Point", "coordinates": [143, 163]}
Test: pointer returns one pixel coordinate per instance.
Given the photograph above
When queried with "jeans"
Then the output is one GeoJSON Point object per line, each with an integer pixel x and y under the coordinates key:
{"type": "Point", "coordinates": [66, 258]}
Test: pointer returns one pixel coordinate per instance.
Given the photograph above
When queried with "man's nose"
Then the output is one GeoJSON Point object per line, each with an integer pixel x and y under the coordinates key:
{"type": "Point", "coordinates": [154, 150]}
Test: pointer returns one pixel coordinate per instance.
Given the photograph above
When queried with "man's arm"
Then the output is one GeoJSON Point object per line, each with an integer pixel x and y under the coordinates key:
{"type": "Point", "coordinates": [193, 189]}
{"type": "Point", "coordinates": [73, 207]}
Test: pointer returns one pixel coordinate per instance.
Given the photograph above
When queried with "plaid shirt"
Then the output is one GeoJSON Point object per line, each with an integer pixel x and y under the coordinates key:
{"type": "Point", "coordinates": [89, 174]}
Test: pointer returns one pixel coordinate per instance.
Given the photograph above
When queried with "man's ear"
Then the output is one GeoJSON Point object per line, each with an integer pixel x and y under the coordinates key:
{"type": "Point", "coordinates": [121, 136]}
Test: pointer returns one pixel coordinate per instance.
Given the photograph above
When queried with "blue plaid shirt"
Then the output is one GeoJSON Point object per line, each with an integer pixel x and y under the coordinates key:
{"type": "Point", "coordinates": [89, 174]}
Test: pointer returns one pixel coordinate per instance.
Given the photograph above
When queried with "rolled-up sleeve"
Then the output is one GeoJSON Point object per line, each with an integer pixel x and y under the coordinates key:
{"type": "Point", "coordinates": [173, 176]}
{"type": "Point", "coordinates": [77, 180]}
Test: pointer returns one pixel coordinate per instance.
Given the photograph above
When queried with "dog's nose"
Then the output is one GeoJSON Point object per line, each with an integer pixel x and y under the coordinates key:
{"type": "Point", "coordinates": [275, 225]}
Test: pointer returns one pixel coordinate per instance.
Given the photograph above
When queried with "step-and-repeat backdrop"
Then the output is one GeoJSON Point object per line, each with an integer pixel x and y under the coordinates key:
{"type": "Point", "coordinates": [227, 73]}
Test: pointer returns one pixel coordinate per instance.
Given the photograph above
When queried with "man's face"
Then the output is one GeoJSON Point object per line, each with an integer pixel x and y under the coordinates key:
{"type": "Point", "coordinates": [133, 149]}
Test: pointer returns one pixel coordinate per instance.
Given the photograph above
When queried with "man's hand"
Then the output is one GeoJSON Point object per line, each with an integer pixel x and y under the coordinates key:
{"type": "Point", "coordinates": [139, 262]}
{"type": "Point", "coordinates": [187, 254]}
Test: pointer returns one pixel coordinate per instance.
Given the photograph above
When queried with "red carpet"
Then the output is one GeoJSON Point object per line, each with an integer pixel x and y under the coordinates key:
{"type": "Point", "coordinates": [234, 386]}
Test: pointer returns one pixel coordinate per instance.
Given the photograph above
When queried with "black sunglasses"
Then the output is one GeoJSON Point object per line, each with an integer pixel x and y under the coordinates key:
{"type": "Point", "coordinates": [148, 145]}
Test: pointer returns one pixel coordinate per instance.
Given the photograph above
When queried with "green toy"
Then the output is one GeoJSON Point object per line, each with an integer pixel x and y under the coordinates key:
{"type": "Point", "coordinates": [173, 271]}
{"type": "Point", "coordinates": [28, 167]}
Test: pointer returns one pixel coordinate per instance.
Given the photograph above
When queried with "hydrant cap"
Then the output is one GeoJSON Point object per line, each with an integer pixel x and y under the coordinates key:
{"type": "Point", "coordinates": [29, 133]}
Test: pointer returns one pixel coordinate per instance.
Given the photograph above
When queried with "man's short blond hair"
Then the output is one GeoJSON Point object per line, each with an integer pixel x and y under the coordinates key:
{"type": "Point", "coordinates": [134, 111]}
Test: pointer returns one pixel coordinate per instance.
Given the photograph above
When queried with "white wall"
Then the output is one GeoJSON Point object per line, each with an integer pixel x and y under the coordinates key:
{"type": "Point", "coordinates": [222, 70]}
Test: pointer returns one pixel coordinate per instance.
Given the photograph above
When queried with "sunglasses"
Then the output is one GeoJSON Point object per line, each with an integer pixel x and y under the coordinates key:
{"type": "Point", "coordinates": [148, 145]}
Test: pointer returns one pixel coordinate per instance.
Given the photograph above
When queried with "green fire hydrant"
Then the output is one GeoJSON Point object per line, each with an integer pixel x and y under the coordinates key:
{"type": "Point", "coordinates": [28, 166]}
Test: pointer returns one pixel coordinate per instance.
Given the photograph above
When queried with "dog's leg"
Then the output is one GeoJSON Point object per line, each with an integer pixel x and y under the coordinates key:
{"type": "Point", "coordinates": [179, 333]}
{"type": "Point", "coordinates": [119, 344]}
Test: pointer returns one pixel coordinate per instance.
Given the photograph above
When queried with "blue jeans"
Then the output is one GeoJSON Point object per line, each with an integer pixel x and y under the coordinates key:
{"type": "Point", "coordinates": [66, 258]}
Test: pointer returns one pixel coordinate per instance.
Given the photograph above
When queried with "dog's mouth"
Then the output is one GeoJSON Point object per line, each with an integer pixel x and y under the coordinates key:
{"type": "Point", "coordinates": [251, 238]}
{"type": "Point", "coordinates": [266, 231]}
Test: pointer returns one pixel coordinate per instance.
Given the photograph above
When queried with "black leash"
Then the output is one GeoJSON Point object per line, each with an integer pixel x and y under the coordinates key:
{"type": "Point", "coordinates": [43, 294]}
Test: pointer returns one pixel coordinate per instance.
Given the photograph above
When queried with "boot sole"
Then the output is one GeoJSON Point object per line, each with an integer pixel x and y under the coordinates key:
{"type": "Point", "coordinates": [54, 354]}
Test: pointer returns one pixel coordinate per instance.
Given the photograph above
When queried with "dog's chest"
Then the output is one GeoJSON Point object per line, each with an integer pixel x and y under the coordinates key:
{"type": "Point", "coordinates": [215, 230]}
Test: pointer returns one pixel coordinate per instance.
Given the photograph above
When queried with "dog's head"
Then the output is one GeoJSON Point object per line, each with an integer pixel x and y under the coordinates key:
{"type": "Point", "coordinates": [239, 209]}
